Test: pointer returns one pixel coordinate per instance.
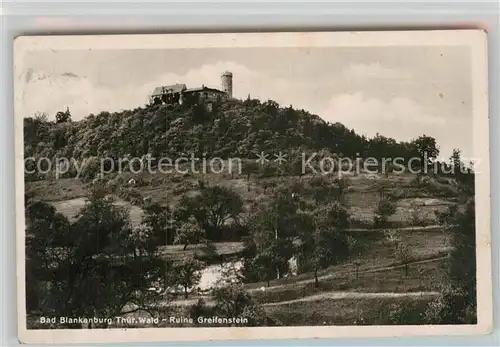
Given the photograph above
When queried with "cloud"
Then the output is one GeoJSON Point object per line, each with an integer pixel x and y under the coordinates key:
{"type": "Point", "coordinates": [245, 81]}
{"type": "Point", "coordinates": [373, 71]}
{"type": "Point", "coordinates": [49, 93]}
{"type": "Point", "coordinates": [398, 117]}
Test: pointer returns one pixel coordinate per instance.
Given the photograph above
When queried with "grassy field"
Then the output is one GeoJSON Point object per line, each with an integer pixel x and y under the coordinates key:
{"type": "Point", "coordinates": [57, 190]}
{"type": "Point", "coordinates": [414, 205]}
{"type": "Point", "coordinates": [70, 208]}
{"type": "Point", "coordinates": [376, 252]}
{"type": "Point", "coordinates": [177, 252]}
{"type": "Point", "coordinates": [422, 277]}
{"type": "Point", "coordinates": [357, 311]}
{"type": "Point", "coordinates": [373, 268]}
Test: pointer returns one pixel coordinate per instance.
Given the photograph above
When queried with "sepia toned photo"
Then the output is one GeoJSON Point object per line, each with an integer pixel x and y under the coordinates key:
{"type": "Point", "coordinates": [204, 187]}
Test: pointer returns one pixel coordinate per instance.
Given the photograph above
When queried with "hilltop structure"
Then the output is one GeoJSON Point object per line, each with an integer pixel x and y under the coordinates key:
{"type": "Point", "coordinates": [227, 83]}
{"type": "Point", "coordinates": [179, 93]}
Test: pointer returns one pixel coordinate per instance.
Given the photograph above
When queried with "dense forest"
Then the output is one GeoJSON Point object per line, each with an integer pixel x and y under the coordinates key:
{"type": "Point", "coordinates": [230, 129]}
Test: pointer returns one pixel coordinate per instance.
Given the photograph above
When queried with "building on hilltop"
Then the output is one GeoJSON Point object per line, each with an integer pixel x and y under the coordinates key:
{"type": "Point", "coordinates": [168, 94]}
{"type": "Point", "coordinates": [227, 83]}
{"type": "Point", "coordinates": [179, 93]}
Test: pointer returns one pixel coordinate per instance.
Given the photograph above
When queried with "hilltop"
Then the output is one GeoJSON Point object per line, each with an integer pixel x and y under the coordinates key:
{"type": "Point", "coordinates": [230, 129]}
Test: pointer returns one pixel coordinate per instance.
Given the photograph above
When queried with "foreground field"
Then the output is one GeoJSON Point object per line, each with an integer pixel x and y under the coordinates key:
{"type": "Point", "coordinates": [366, 289]}
{"type": "Point", "coordinates": [372, 297]}
{"type": "Point", "coordinates": [423, 276]}
{"type": "Point", "coordinates": [349, 311]}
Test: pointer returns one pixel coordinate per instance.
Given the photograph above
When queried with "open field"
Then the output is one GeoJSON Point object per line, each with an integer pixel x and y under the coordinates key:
{"type": "Point", "coordinates": [423, 276]}
{"type": "Point", "coordinates": [177, 252]}
{"type": "Point", "coordinates": [57, 190]}
{"type": "Point", "coordinates": [379, 282]}
{"type": "Point", "coordinates": [376, 252]}
{"type": "Point", "coordinates": [414, 205]}
{"type": "Point", "coordinates": [348, 311]}
{"type": "Point", "coordinates": [426, 277]}
{"type": "Point", "coordinates": [71, 208]}
{"type": "Point", "coordinates": [372, 297]}
{"type": "Point", "coordinates": [362, 290]}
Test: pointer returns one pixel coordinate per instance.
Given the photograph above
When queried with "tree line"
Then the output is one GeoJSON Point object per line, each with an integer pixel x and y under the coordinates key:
{"type": "Point", "coordinates": [100, 265]}
{"type": "Point", "coordinates": [103, 266]}
{"type": "Point", "coordinates": [232, 129]}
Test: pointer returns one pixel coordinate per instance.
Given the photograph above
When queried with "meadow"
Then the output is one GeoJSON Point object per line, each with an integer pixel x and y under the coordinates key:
{"type": "Point", "coordinates": [361, 290]}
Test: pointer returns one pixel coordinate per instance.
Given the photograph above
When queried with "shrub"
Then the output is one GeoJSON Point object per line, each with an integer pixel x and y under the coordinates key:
{"type": "Point", "coordinates": [176, 179]}
{"type": "Point", "coordinates": [131, 195]}
{"type": "Point", "coordinates": [384, 210]}
{"type": "Point", "coordinates": [416, 217]}
{"type": "Point", "coordinates": [406, 314]}
{"type": "Point", "coordinates": [453, 307]}
{"type": "Point", "coordinates": [91, 168]}
{"type": "Point", "coordinates": [200, 309]}
{"type": "Point", "coordinates": [234, 301]}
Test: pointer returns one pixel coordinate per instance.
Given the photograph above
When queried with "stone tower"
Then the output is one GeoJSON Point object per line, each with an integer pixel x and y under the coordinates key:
{"type": "Point", "coordinates": [227, 83]}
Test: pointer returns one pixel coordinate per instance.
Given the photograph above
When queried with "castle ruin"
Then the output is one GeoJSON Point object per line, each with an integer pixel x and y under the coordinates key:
{"type": "Point", "coordinates": [179, 93]}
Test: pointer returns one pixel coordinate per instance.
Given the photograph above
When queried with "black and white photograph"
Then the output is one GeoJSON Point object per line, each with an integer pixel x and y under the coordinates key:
{"type": "Point", "coordinates": [183, 187]}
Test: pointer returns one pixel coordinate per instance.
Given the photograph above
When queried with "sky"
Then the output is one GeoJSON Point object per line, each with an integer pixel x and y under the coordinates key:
{"type": "Point", "coordinates": [399, 92]}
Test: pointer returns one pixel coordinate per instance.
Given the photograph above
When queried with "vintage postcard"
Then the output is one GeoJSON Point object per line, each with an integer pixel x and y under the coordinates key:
{"type": "Point", "coordinates": [194, 187]}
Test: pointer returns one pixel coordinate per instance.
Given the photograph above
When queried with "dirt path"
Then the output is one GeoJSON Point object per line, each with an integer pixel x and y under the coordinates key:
{"type": "Point", "coordinates": [189, 302]}
{"type": "Point", "coordinates": [335, 274]}
{"type": "Point", "coordinates": [329, 295]}
{"type": "Point", "coordinates": [433, 227]}
{"type": "Point", "coordinates": [352, 295]}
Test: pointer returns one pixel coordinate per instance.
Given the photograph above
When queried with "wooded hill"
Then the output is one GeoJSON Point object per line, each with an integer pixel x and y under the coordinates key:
{"type": "Point", "coordinates": [232, 129]}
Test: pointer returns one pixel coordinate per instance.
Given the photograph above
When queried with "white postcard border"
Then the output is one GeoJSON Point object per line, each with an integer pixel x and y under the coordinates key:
{"type": "Point", "coordinates": [475, 39]}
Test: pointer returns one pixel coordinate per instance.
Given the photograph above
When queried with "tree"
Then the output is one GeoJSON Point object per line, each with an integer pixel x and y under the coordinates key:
{"type": "Point", "coordinates": [188, 274]}
{"type": "Point", "coordinates": [268, 254]}
{"type": "Point", "coordinates": [45, 230]}
{"type": "Point", "coordinates": [341, 184]}
{"type": "Point", "coordinates": [161, 221]}
{"type": "Point", "coordinates": [63, 117]}
{"type": "Point", "coordinates": [231, 274]}
{"type": "Point", "coordinates": [322, 189]}
{"type": "Point", "coordinates": [259, 267]}
{"type": "Point", "coordinates": [98, 266]}
{"type": "Point", "coordinates": [403, 255]}
{"type": "Point", "coordinates": [273, 228]}
{"type": "Point", "coordinates": [235, 301]}
{"type": "Point", "coordinates": [41, 117]}
{"type": "Point", "coordinates": [327, 243]}
{"type": "Point", "coordinates": [458, 303]}
{"type": "Point", "coordinates": [426, 149]}
{"type": "Point", "coordinates": [212, 209]}
{"type": "Point", "coordinates": [249, 168]}
{"type": "Point", "coordinates": [456, 161]}
{"type": "Point", "coordinates": [231, 301]}
{"type": "Point", "coordinates": [385, 209]}
{"type": "Point", "coordinates": [464, 175]}
{"type": "Point", "coordinates": [187, 233]}
{"type": "Point", "coordinates": [200, 310]}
